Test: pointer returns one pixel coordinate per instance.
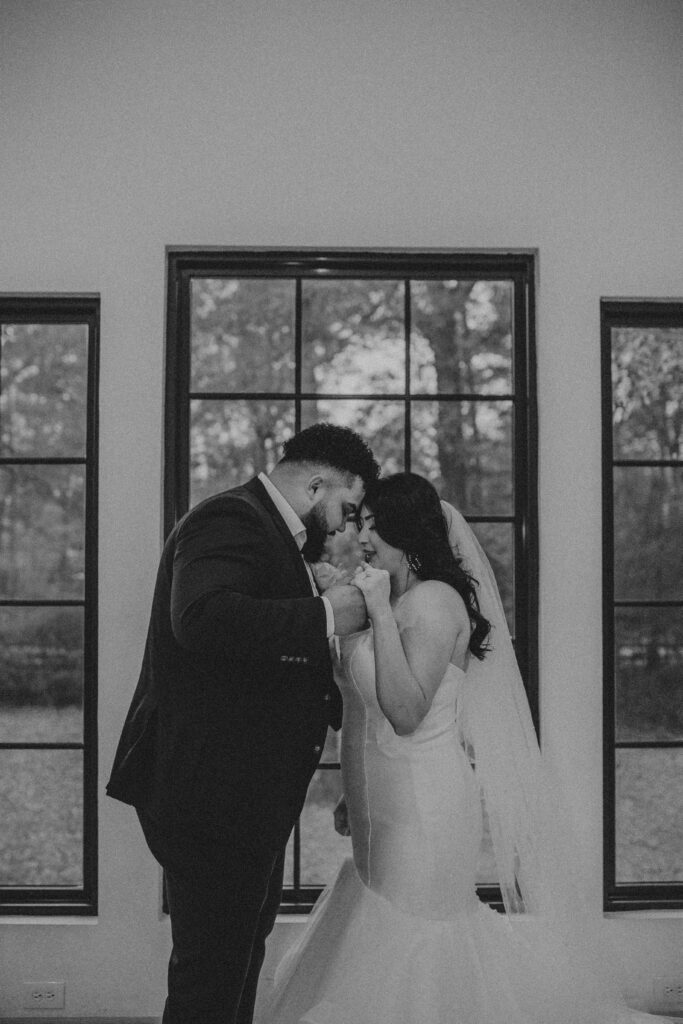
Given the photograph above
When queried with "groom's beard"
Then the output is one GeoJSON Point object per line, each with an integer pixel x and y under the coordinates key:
{"type": "Point", "coordinates": [315, 522]}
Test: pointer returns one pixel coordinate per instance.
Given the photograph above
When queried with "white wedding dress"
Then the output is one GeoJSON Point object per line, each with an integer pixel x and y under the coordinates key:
{"type": "Point", "coordinates": [401, 937]}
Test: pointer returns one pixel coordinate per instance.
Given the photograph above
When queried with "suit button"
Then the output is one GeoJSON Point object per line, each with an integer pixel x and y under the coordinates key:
{"type": "Point", "coordinates": [326, 697]}
{"type": "Point", "coordinates": [283, 657]}
{"type": "Point", "coordinates": [316, 750]}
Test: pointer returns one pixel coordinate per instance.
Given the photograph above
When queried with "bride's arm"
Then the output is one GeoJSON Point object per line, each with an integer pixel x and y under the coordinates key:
{"type": "Point", "coordinates": [412, 651]}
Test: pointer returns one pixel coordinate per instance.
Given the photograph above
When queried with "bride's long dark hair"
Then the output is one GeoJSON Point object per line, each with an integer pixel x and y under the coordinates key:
{"type": "Point", "coordinates": [408, 515]}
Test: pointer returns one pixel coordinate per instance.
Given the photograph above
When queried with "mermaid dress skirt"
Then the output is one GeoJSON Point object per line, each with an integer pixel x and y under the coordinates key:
{"type": "Point", "coordinates": [400, 936]}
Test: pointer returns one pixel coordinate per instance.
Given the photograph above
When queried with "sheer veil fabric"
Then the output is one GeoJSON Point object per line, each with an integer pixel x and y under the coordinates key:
{"type": "Point", "coordinates": [529, 836]}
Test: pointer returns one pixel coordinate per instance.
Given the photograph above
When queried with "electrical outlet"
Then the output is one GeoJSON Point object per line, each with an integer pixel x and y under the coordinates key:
{"type": "Point", "coordinates": [44, 995]}
{"type": "Point", "coordinates": [668, 993]}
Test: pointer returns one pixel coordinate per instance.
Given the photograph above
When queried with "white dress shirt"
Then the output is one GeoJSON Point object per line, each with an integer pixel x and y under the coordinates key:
{"type": "Point", "coordinates": [298, 532]}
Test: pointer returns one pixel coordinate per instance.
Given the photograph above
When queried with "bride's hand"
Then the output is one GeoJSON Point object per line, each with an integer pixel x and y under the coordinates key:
{"type": "Point", "coordinates": [374, 585]}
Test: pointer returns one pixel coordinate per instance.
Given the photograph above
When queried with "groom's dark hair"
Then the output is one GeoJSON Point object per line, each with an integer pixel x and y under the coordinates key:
{"type": "Point", "coordinates": [339, 447]}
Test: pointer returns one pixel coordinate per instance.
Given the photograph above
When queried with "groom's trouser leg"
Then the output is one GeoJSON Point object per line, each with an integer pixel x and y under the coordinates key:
{"type": "Point", "coordinates": [266, 921]}
{"type": "Point", "coordinates": [222, 900]}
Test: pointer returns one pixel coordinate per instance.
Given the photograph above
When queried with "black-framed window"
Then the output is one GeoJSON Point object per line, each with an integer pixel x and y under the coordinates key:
{"type": "Point", "coordinates": [48, 603]}
{"type": "Point", "coordinates": [642, 396]}
{"type": "Point", "coordinates": [429, 355]}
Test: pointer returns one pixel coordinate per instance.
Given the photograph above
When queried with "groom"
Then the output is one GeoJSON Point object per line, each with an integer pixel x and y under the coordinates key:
{"type": "Point", "coordinates": [229, 717]}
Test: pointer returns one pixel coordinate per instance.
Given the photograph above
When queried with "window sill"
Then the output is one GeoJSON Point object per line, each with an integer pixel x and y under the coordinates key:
{"type": "Point", "coordinates": [11, 919]}
{"type": "Point", "coordinates": [675, 914]}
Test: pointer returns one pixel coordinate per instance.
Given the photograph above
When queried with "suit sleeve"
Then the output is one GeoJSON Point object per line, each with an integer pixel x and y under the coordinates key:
{"type": "Point", "coordinates": [223, 565]}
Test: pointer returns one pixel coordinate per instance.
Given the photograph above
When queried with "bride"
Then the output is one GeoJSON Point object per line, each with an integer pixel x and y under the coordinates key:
{"type": "Point", "coordinates": [437, 728]}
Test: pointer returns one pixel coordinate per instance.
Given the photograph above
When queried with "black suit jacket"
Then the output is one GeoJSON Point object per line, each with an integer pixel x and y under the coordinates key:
{"type": "Point", "coordinates": [235, 694]}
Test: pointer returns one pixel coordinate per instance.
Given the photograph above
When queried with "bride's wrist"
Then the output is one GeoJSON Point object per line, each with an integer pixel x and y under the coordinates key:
{"type": "Point", "coordinates": [379, 613]}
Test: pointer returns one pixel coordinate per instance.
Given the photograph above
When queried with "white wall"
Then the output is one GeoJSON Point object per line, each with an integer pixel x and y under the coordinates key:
{"type": "Point", "coordinates": [127, 126]}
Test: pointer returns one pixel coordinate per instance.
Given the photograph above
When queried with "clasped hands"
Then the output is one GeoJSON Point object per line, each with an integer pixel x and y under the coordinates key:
{"type": "Point", "coordinates": [353, 602]}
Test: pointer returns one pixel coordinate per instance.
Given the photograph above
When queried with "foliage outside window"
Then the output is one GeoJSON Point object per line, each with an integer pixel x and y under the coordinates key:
{"type": "Point", "coordinates": [642, 351]}
{"type": "Point", "coordinates": [429, 356]}
{"type": "Point", "coordinates": [48, 588]}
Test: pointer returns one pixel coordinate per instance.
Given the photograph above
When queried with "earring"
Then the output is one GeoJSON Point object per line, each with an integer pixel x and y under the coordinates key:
{"type": "Point", "coordinates": [414, 563]}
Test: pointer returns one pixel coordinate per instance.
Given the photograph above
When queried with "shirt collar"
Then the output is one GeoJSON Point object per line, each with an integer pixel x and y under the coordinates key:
{"type": "Point", "coordinates": [294, 524]}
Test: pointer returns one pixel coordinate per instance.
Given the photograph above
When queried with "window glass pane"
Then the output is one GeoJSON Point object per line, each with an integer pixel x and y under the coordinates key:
{"type": "Point", "coordinates": [242, 334]}
{"type": "Point", "coordinates": [380, 423]}
{"type": "Point", "coordinates": [353, 337]}
{"type": "Point", "coordinates": [43, 382]}
{"type": "Point", "coordinates": [42, 532]}
{"type": "Point", "coordinates": [649, 815]}
{"type": "Point", "coordinates": [288, 876]}
{"type": "Point", "coordinates": [41, 808]}
{"type": "Point", "coordinates": [231, 441]}
{"type": "Point", "coordinates": [498, 541]}
{"type": "Point", "coordinates": [649, 673]}
{"type": "Point", "coordinates": [465, 449]}
{"type": "Point", "coordinates": [648, 526]}
{"type": "Point", "coordinates": [331, 748]}
{"type": "Point", "coordinates": [461, 337]}
{"type": "Point", "coordinates": [41, 673]}
{"type": "Point", "coordinates": [647, 393]}
{"type": "Point", "coordinates": [322, 849]}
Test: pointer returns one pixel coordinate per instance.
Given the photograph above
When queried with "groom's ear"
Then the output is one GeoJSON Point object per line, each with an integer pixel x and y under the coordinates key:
{"type": "Point", "coordinates": [315, 482]}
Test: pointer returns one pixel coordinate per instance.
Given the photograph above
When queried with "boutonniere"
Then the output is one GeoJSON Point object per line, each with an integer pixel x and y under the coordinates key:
{"type": "Point", "coordinates": [327, 575]}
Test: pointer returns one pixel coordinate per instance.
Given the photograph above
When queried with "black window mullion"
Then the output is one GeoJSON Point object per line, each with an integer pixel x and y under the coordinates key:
{"type": "Point", "coordinates": [609, 695]}
{"type": "Point", "coordinates": [43, 745]}
{"type": "Point", "coordinates": [525, 432]}
{"type": "Point", "coordinates": [17, 460]}
{"type": "Point", "coordinates": [397, 396]}
{"type": "Point", "coordinates": [298, 353]}
{"type": "Point", "coordinates": [648, 463]}
{"type": "Point", "coordinates": [177, 411]}
{"type": "Point", "coordinates": [91, 624]}
{"type": "Point", "coordinates": [407, 407]}
{"type": "Point", "coordinates": [491, 519]}
{"type": "Point", "coordinates": [298, 373]}
{"type": "Point", "coordinates": [42, 603]}
{"type": "Point", "coordinates": [296, 859]}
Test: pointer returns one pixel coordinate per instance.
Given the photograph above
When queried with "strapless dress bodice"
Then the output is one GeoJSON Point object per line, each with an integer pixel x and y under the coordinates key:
{"type": "Point", "coordinates": [360, 696]}
{"type": "Point", "coordinates": [412, 800]}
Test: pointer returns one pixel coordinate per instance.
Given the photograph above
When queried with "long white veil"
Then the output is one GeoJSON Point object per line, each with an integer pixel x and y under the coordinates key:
{"type": "Point", "coordinates": [497, 729]}
{"type": "Point", "coordinates": [535, 851]}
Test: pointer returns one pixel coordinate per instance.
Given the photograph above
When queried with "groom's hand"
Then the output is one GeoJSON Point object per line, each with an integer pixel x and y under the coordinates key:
{"type": "Point", "coordinates": [348, 606]}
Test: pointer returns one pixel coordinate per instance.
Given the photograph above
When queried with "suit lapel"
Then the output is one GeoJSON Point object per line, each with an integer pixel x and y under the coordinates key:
{"type": "Point", "coordinates": [261, 494]}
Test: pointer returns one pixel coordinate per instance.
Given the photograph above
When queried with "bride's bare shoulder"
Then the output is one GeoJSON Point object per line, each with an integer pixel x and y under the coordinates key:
{"type": "Point", "coordinates": [433, 601]}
